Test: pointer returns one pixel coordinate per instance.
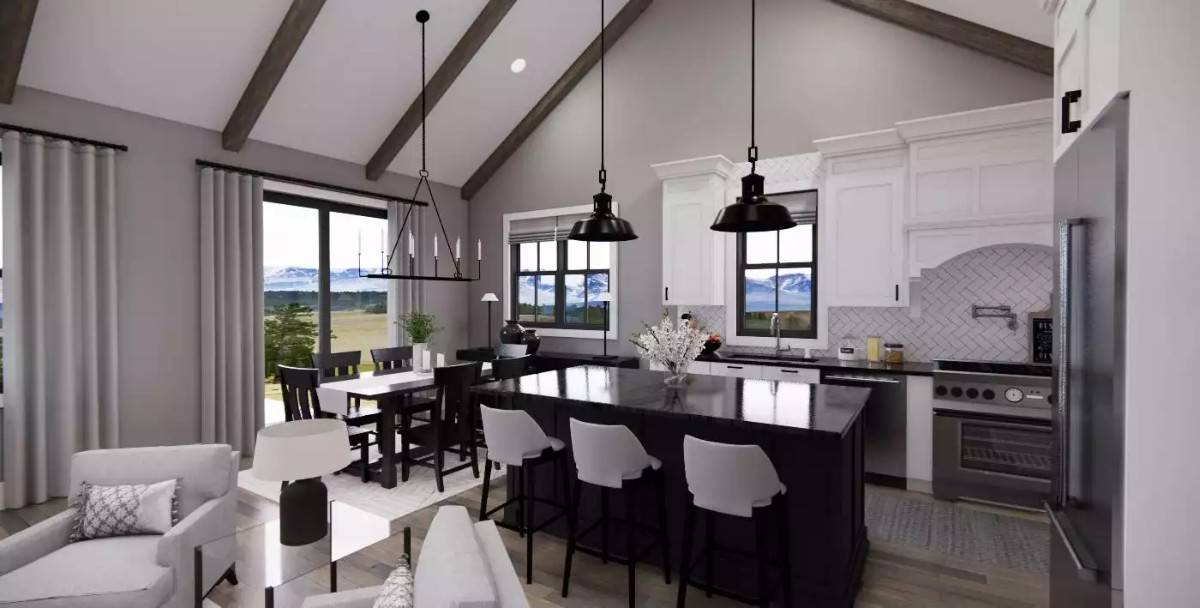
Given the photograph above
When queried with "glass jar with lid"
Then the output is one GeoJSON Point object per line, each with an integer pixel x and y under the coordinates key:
{"type": "Point", "coordinates": [893, 353]}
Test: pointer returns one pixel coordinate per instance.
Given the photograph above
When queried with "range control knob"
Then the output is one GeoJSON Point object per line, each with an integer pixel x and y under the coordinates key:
{"type": "Point", "coordinates": [989, 394]}
{"type": "Point", "coordinates": [972, 393]}
{"type": "Point", "coordinates": [956, 392]}
{"type": "Point", "coordinates": [1014, 394]}
{"type": "Point", "coordinates": [940, 391]}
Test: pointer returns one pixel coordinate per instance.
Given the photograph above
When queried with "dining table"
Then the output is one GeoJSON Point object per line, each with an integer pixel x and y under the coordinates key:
{"type": "Point", "coordinates": [391, 391]}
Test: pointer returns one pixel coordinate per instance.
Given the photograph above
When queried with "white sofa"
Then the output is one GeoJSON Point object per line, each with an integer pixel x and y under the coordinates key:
{"type": "Point", "coordinates": [461, 564]}
{"type": "Point", "coordinates": [40, 569]}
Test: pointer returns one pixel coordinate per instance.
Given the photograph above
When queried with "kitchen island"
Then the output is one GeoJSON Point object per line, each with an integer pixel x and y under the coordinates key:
{"type": "Point", "coordinates": [813, 434]}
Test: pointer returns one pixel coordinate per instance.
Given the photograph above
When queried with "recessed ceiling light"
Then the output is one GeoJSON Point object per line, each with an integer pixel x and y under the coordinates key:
{"type": "Point", "coordinates": [518, 65]}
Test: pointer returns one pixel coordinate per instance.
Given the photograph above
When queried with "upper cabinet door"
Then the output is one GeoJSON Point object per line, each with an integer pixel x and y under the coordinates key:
{"type": "Point", "coordinates": [1086, 75]}
{"type": "Point", "coordinates": [693, 256]}
{"type": "Point", "coordinates": [864, 229]}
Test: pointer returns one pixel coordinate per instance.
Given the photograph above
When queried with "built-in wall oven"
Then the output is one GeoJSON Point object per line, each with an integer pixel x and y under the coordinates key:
{"type": "Point", "coordinates": [992, 434]}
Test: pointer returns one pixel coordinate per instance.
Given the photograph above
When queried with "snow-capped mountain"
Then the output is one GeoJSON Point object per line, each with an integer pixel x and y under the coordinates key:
{"type": "Point", "coordinates": [795, 292]}
{"type": "Point", "coordinates": [293, 278]}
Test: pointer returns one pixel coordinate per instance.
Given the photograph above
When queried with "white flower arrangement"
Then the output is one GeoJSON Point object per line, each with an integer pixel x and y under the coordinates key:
{"type": "Point", "coordinates": [672, 345]}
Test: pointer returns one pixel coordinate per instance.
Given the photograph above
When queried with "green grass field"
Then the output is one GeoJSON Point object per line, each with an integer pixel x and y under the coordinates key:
{"type": "Point", "coordinates": [352, 330]}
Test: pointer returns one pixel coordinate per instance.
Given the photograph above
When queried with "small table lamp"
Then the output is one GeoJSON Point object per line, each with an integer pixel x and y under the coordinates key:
{"type": "Point", "coordinates": [300, 452]}
{"type": "Point", "coordinates": [489, 297]}
{"type": "Point", "coordinates": [605, 297]}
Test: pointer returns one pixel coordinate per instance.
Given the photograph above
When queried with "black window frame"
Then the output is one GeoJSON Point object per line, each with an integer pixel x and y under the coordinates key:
{"type": "Point", "coordinates": [323, 208]}
{"type": "Point", "coordinates": [811, 266]}
{"type": "Point", "coordinates": [560, 286]}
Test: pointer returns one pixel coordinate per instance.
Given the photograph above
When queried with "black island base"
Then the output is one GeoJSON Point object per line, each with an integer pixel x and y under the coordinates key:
{"type": "Point", "coordinates": [812, 433]}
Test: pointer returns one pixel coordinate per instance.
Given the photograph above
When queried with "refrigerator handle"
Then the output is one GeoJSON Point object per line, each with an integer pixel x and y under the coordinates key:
{"type": "Point", "coordinates": [1084, 566]}
{"type": "Point", "coordinates": [1062, 396]}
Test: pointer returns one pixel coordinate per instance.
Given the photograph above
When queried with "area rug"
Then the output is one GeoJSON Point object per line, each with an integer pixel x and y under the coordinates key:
{"type": "Point", "coordinates": [960, 530]}
{"type": "Point", "coordinates": [418, 492]}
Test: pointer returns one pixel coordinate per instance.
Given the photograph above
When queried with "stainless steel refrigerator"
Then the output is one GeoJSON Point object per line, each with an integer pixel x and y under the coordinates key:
{"type": "Point", "coordinates": [1085, 511]}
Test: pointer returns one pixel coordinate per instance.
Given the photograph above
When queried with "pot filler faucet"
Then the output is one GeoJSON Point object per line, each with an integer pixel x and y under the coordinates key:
{"type": "Point", "coordinates": [775, 328]}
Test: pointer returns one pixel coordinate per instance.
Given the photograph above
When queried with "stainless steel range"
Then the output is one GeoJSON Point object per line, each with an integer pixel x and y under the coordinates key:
{"type": "Point", "coordinates": [992, 435]}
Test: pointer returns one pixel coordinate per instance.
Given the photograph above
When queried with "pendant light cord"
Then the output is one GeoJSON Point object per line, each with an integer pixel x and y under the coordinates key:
{"type": "Point", "coordinates": [752, 152]}
{"type": "Point", "coordinates": [424, 171]}
{"type": "Point", "coordinates": [603, 171]}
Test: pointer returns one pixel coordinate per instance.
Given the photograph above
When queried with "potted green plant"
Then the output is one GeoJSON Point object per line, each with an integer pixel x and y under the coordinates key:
{"type": "Point", "coordinates": [419, 326]}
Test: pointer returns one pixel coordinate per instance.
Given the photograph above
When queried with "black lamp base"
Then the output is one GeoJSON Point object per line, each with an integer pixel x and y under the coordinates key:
{"type": "Point", "coordinates": [302, 512]}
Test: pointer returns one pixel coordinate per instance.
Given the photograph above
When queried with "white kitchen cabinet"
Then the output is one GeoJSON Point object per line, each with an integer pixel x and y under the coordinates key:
{"type": "Point", "coordinates": [791, 374]}
{"type": "Point", "coordinates": [693, 256]}
{"type": "Point", "coordinates": [862, 225]}
{"type": "Point", "coordinates": [1086, 42]}
{"type": "Point", "coordinates": [919, 434]}
{"type": "Point", "coordinates": [737, 370]}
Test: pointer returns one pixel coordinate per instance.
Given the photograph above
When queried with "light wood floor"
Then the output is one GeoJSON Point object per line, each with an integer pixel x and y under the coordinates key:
{"type": "Point", "coordinates": [895, 576]}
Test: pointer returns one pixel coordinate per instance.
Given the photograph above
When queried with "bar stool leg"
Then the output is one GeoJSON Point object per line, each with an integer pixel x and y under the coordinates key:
{"type": "Point", "coordinates": [604, 525]}
{"type": "Point", "coordinates": [760, 555]}
{"type": "Point", "coordinates": [785, 551]}
{"type": "Point", "coordinates": [663, 537]}
{"type": "Point", "coordinates": [487, 482]}
{"type": "Point", "coordinates": [529, 494]}
{"type": "Point", "coordinates": [572, 528]}
{"type": "Point", "coordinates": [709, 534]}
{"type": "Point", "coordinates": [521, 501]}
{"type": "Point", "coordinates": [631, 548]}
{"type": "Point", "coordinates": [685, 566]}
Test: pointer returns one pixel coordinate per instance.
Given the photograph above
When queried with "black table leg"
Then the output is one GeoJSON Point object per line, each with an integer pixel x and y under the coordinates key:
{"type": "Point", "coordinates": [387, 443]}
{"type": "Point", "coordinates": [333, 576]}
{"type": "Point", "coordinates": [270, 597]}
{"type": "Point", "coordinates": [198, 576]}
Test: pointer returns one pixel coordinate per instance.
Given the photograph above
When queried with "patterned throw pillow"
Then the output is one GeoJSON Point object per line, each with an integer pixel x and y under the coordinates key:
{"type": "Point", "coordinates": [397, 590]}
{"type": "Point", "coordinates": [124, 510]}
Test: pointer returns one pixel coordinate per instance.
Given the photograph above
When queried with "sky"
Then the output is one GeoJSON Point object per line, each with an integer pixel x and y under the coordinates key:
{"type": "Point", "coordinates": [290, 238]}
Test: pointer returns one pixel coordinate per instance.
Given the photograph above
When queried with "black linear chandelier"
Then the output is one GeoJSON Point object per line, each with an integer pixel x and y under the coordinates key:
{"type": "Point", "coordinates": [456, 254]}
{"type": "Point", "coordinates": [752, 212]}
{"type": "Point", "coordinates": [602, 224]}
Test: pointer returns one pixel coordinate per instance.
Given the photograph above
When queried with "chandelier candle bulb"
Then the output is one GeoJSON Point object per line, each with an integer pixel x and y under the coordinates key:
{"type": "Point", "coordinates": [412, 245]}
{"type": "Point", "coordinates": [435, 246]}
{"type": "Point", "coordinates": [458, 248]}
{"type": "Point", "coordinates": [478, 250]}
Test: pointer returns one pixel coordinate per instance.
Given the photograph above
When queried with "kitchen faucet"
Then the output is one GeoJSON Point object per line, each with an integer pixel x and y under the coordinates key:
{"type": "Point", "coordinates": [775, 328]}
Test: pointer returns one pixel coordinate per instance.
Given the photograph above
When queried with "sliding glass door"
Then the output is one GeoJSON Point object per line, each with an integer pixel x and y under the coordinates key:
{"type": "Point", "coordinates": [313, 298]}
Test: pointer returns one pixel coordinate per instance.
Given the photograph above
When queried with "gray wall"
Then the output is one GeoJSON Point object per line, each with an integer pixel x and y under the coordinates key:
{"type": "Point", "coordinates": [158, 254]}
{"type": "Point", "coordinates": [678, 84]}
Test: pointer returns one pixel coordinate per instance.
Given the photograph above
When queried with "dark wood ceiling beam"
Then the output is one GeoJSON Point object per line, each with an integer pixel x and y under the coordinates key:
{"type": "Point", "coordinates": [16, 21]}
{"type": "Point", "coordinates": [1001, 45]}
{"type": "Point", "coordinates": [274, 63]}
{"type": "Point", "coordinates": [565, 84]}
{"type": "Point", "coordinates": [462, 53]}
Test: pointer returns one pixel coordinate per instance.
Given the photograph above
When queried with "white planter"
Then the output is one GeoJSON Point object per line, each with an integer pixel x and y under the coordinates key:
{"type": "Point", "coordinates": [421, 357]}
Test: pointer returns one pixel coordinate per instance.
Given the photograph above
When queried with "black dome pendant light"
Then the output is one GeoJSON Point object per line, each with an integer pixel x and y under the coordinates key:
{"type": "Point", "coordinates": [753, 212]}
{"type": "Point", "coordinates": [602, 224]}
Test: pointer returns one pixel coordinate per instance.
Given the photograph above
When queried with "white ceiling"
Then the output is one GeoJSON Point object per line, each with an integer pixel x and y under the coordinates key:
{"type": "Point", "coordinates": [1023, 18]}
{"type": "Point", "coordinates": [354, 75]}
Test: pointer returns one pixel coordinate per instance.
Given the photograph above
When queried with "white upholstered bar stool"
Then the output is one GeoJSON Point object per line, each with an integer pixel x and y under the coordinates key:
{"type": "Point", "coordinates": [514, 438]}
{"type": "Point", "coordinates": [610, 457]}
{"type": "Point", "coordinates": [734, 481]}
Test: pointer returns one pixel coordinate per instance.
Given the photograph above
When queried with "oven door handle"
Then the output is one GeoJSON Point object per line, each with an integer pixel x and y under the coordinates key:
{"type": "Point", "coordinates": [863, 380]}
{"type": "Point", "coordinates": [1085, 567]}
{"type": "Point", "coordinates": [995, 421]}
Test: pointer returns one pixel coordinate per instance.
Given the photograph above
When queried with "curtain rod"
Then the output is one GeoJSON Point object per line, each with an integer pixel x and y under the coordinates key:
{"type": "Point", "coordinates": [310, 183]}
{"type": "Point", "coordinates": [71, 138]}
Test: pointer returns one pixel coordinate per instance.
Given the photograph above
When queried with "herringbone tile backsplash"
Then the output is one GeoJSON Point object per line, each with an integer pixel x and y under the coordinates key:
{"type": "Point", "coordinates": [938, 322]}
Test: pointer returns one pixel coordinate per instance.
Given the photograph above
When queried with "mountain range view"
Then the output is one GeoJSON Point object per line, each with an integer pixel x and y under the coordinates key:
{"type": "Point", "coordinates": [795, 292]}
{"type": "Point", "coordinates": [294, 278]}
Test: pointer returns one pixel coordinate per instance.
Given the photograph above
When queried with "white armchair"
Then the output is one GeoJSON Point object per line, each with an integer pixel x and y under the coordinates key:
{"type": "Point", "coordinates": [39, 568]}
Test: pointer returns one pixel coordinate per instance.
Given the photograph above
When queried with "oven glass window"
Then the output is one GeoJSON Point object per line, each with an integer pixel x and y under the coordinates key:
{"type": "Point", "coordinates": [995, 449]}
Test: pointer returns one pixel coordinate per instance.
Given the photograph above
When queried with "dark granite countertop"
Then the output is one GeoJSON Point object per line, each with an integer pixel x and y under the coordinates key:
{"type": "Point", "coordinates": [912, 368]}
{"type": "Point", "coordinates": [789, 406]}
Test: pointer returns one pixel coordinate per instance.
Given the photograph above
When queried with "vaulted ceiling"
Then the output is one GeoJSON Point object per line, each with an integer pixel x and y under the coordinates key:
{"type": "Point", "coordinates": [353, 75]}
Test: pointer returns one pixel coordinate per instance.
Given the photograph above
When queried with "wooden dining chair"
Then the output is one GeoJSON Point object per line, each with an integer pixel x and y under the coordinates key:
{"type": "Point", "coordinates": [300, 402]}
{"type": "Point", "coordinates": [344, 366]}
{"type": "Point", "coordinates": [451, 425]}
{"type": "Point", "coordinates": [395, 358]}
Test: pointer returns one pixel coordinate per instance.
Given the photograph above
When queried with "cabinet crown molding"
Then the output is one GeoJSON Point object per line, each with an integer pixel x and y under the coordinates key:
{"type": "Point", "coordinates": [1028, 113]}
{"type": "Point", "coordinates": [871, 141]}
{"type": "Point", "coordinates": [706, 165]}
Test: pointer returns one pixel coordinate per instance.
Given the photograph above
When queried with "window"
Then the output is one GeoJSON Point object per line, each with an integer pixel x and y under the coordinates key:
{"type": "Point", "coordinates": [558, 283]}
{"type": "Point", "coordinates": [776, 273]}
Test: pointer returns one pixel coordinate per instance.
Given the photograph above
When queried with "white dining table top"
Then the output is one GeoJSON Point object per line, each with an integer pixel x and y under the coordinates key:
{"type": "Point", "coordinates": [335, 395]}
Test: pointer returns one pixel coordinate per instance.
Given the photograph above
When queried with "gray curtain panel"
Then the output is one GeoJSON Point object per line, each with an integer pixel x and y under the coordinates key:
{"type": "Point", "coordinates": [231, 308]}
{"type": "Point", "coordinates": [60, 311]}
{"type": "Point", "coordinates": [407, 296]}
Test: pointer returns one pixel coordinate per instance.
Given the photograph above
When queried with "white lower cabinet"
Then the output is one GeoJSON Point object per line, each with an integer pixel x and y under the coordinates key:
{"type": "Point", "coordinates": [737, 370]}
{"type": "Point", "coordinates": [792, 374]}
